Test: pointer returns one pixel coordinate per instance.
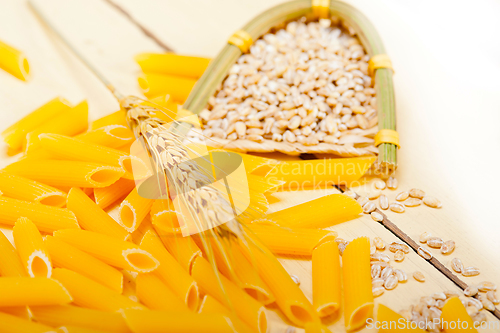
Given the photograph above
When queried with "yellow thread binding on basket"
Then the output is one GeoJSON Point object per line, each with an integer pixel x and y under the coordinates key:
{"type": "Point", "coordinates": [379, 61]}
{"type": "Point", "coordinates": [387, 136]}
{"type": "Point", "coordinates": [184, 116]}
{"type": "Point", "coordinates": [321, 8]}
{"type": "Point", "coordinates": [242, 40]}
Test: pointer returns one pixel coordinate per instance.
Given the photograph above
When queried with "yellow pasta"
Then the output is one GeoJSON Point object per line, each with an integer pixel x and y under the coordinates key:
{"type": "Point", "coordinates": [10, 262]}
{"type": "Point", "coordinates": [105, 196]}
{"type": "Point", "coordinates": [115, 118]}
{"type": "Point", "coordinates": [454, 317]}
{"type": "Point", "coordinates": [26, 189]}
{"type": "Point", "coordinates": [183, 249]}
{"type": "Point", "coordinates": [326, 279]}
{"type": "Point", "coordinates": [90, 294]}
{"type": "Point", "coordinates": [15, 135]}
{"type": "Point", "coordinates": [316, 327]}
{"type": "Point", "coordinates": [74, 329]}
{"type": "Point", "coordinates": [133, 210]}
{"type": "Point", "coordinates": [46, 218]}
{"type": "Point", "coordinates": [13, 324]}
{"type": "Point", "coordinates": [14, 62]}
{"type": "Point", "coordinates": [390, 321]}
{"type": "Point", "coordinates": [70, 122]}
{"type": "Point", "coordinates": [317, 213]}
{"type": "Point", "coordinates": [171, 272]}
{"type": "Point", "coordinates": [176, 322]}
{"type": "Point", "coordinates": [153, 293]}
{"type": "Point", "coordinates": [64, 255]}
{"type": "Point", "coordinates": [58, 315]}
{"type": "Point", "coordinates": [32, 251]}
{"type": "Point", "coordinates": [177, 87]}
{"type": "Point", "coordinates": [246, 308]}
{"type": "Point", "coordinates": [19, 291]}
{"type": "Point", "coordinates": [110, 250]}
{"type": "Point", "coordinates": [356, 276]}
{"type": "Point", "coordinates": [91, 217]}
{"type": "Point", "coordinates": [290, 241]}
{"type": "Point", "coordinates": [210, 305]}
{"type": "Point", "coordinates": [172, 64]}
{"type": "Point", "coordinates": [77, 150]}
{"type": "Point", "coordinates": [66, 173]}
{"type": "Point", "coordinates": [111, 136]}
{"type": "Point", "coordinates": [164, 217]}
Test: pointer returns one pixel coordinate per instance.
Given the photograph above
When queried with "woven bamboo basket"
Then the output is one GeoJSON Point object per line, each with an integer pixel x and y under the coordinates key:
{"type": "Point", "coordinates": [276, 18]}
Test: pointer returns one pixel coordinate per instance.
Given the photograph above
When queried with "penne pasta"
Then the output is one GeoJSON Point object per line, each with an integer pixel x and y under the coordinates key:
{"type": "Point", "coordinates": [210, 305]}
{"type": "Point", "coordinates": [300, 216]}
{"type": "Point", "coordinates": [73, 149]}
{"type": "Point", "coordinates": [74, 329]}
{"type": "Point", "coordinates": [154, 294]}
{"type": "Point", "coordinates": [171, 272]}
{"type": "Point", "coordinates": [129, 285]}
{"type": "Point", "coordinates": [290, 241]}
{"type": "Point", "coordinates": [115, 118]}
{"type": "Point", "coordinates": [390, 321]}
{"type": "Point", "coordinates": [356, 276]}
{"type": "Point", "coordinates": [13, 324]}
{"type": "Point", "coordinates": [111, 136]}
{"type": "Point", "coordinates": [64, 255]}
{"type": "Point", "coordinates": [46, 218]}
{"type": "Point", "coordinates": [176, 322]}
{"type": "Point", "coordinates": [454, 317]}
{"type": "Point", "coordinates": [105, 196]}
{"type": "Point", "coordinates": [70, 122]}
{"type": "Point", "coordinates": [15, 135]}
{"type": "Point", "coordinates": [110, 250]}
{"type": "Point", "coordinates": [18, 311]}
{"type": "Point", "coordinates": [245, 307]}
{"type": "Point", "coordinates": [164, 217]}
{"type": "Point", "coordinates": [133, 210]}
{"type": "Point", "coordinates": [14, 62]}
{"type": "Point", "coordinates": [178, 87]}
{"type": "Point", "coordinates": [58, 315]}
{"type": "Point", "coordinates": [90, 294]}
{"type": "Point", "coordinates": [326, 280]}
{"type": "Point", "coordinates": [20, 291]}
{"type": "Point", "coordinates": [183, 249]}
{"type": "Point", "coordinates": [32, 251]}
{"type": "Point", "coordinates": [91, 217]}
{"type": "Point", "coordinates": [316, 327]}
{"type": "Point", "coordinates": [26, 189]}
{"type": "Point", "coordinates": [66, 173]}
{"type": "Point", "coordinates": [10, 262]}
{"type": "Point", "coordinates": [172, 64]}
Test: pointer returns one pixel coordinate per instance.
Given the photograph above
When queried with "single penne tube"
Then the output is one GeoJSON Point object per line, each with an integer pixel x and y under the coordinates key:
{"type": "Point", "coordinates": [290, 241]}
{"type": "Point", "coordinates": [70, 122]}
{"type": "Point", "coordinates": [46, 218]}
{"type": "Point", "coordinates": [105, 196]}
{"type": "Point", "coordinates": [231, 296]}
{"type": "Point", "coordinates": [154, 294]}
{"type": "Point", "coordinates": [164, 216]}
{"type": "Point", "coordinates": [115, 118]}
{"type": "Point", "coordinates": [59, 315]}
{"type": "Point", "coordinates": [172, 64]}
{"type": "Point", "coordinates": [111, 136]}
{"type": "Point", "coordinates": [10, 262]}
{"type": "Point", "coordinates": [390, 321]}
{"type": "Point", "coordinates": [31, 249]}
{"type": "Point", "coordinates": [176, 322]}
{"type": "Point", "coordinates": [133, 209]}
{"type": "Point", "coordinates": [89, 294]}
{"type": "Point", "coordinates": [317, 213]}
{"type": "Point", "coordinates": [64, 255]}
{"type": "Point", "coordinates": [15, 135]}
{"type": "Point", "coordinates": [357, 283]}
{"type": "Point", "coordinates": [183, 249]}
{"type": "Point", "coordinates": [290, 299]}
{"type": "Point", "coordinates": [13, 324]}
{"type": "Point", "coordinates": [73, 149]}
{"type": "Point", "coordinates": [326, 281]}
{"type": "Point", "coordinates": [110, 250]}
{"type": "Point", "coordinates": [18, 311]}
{"type": "Point", "coordinates": [454, 317]}
{"type": "Point", "coordinates": [21, 188]}
{"type": "Point", "coordinates": [14, 62]}
{"type": "Point", "coordinates": [320, 173]}
{"type": "Point", "coordinates": [66, 173]}
{"type": "Point", "coordinates": [20, 291]}
{"type": "Point", "coordinates": [91, 217]}
{"type": "Point", "coordinates": [171, 272]}
{"type": "Point", "coordinates": [177, 87]}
